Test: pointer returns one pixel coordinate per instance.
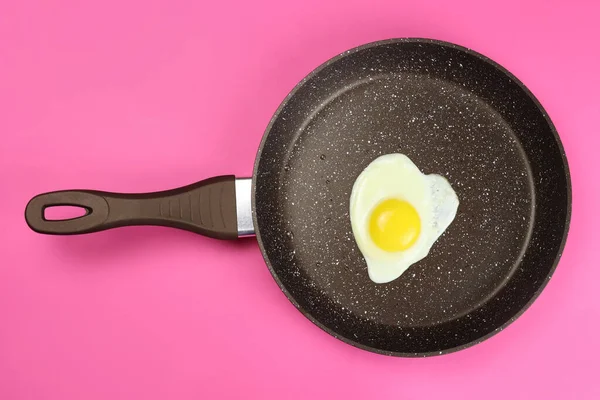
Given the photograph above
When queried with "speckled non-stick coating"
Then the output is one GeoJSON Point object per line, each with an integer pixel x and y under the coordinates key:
{"type": "Point", "coordinates": [454, 113]}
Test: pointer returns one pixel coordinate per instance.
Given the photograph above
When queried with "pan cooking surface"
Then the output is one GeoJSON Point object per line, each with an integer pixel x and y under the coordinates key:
{"type": "Point", "coordinates": [490, 176]}
{"type": "Point", "coordinates": [453, 113]}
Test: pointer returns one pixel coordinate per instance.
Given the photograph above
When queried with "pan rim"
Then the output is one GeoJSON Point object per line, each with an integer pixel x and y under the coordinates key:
{"type": "Point", "coordinates": [526, 91]}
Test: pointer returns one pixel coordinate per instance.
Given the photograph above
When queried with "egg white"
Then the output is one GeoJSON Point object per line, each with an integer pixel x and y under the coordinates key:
{"type": "Point", "coordinates": [396, 176]}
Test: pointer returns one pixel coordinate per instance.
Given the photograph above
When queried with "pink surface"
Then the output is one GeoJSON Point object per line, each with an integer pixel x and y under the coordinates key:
{"type": "Point", "coordinates": [173, 92]}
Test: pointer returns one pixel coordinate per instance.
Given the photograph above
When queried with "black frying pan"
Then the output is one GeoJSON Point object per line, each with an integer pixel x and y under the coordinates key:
{"type": "Point", "coordinates": [453, 112]}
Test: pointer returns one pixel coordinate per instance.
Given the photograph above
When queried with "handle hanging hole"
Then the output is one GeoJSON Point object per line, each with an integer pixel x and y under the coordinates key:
{"type": "Point", "coordinates": [64, 212]}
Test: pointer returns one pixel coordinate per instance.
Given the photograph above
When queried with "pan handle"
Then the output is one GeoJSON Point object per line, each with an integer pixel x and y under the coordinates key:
{"type": "Point", "coordinates": [207, 207]}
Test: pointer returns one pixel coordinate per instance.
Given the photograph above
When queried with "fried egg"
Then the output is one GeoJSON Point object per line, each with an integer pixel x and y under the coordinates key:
{"type": "Point", "coordinates": [397, 213]}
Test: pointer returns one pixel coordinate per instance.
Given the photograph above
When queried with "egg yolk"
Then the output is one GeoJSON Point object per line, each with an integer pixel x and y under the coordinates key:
{"type": "Point", "coordinates": [394, 225]}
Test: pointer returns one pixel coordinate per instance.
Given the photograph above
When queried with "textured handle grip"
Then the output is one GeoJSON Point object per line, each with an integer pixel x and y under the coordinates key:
{"type": "Point", "coordinates": [206, 207]}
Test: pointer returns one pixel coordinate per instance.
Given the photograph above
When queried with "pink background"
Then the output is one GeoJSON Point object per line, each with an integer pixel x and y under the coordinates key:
{"type": "Point", "coordinates": [173, 92]}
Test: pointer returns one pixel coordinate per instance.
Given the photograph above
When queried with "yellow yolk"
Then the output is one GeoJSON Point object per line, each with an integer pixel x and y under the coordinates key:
{"type": "Point", "coordinates": [394, 225]}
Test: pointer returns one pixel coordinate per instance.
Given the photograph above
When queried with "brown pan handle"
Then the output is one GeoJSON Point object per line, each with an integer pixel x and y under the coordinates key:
{"type": "Point", "coordinates": [207, 207]}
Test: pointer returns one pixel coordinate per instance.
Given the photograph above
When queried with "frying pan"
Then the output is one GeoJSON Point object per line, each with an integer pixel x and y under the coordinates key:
{"type": "Point", "coordinates": [453, 112]}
